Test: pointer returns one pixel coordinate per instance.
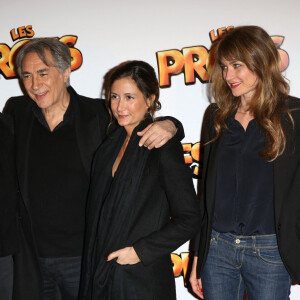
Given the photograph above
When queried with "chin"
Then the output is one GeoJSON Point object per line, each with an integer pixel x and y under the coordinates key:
{"type": "Point", "coordinates": [122, 123]}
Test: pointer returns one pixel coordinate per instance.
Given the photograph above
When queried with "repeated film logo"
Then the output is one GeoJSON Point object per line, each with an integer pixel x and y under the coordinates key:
{"type": "Point", "coordinates": [23, 35]}
{"type": "Point", "coordinates": [191, 61]}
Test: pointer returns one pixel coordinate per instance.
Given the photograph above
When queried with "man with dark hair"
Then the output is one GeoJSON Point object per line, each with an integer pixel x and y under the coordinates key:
{"type": "Point", "coordinates": [8, 208]}
{"type": "Point", "coordinates": [57, 133]}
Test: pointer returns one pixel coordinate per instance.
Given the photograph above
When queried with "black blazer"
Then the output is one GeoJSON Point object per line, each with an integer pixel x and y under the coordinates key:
{"type": "Point", "coordinates": [286, 192]}
{"type": "Point", "coordinates": [91, 119]}
{"type": "Point", "coordinates": [166, 189]}
{"type": "Point", "coordinates": [8, 189]}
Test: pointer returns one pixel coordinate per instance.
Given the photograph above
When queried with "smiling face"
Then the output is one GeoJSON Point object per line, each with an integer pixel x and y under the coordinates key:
{"type": "Point", "coordinates": [127, 103]}
{"type": "Point", "coordinates": [45, 85]}
{"type": "Point", "coordinates": [239, 78]}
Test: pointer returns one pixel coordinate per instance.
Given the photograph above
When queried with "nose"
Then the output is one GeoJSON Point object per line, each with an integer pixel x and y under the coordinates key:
{"type": "Point", "coordinates": [228, 73]}
{"type": "Point", "coordinates": [35, 83]}
{"type": "Point", "coordinates": [121, 104]}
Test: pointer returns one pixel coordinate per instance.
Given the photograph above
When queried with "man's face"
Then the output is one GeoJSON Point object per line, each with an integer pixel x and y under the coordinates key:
{"type": "Point", "coordinates": [44, 84]}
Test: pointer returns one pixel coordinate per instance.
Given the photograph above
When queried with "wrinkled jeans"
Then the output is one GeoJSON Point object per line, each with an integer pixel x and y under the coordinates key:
{"type": "Point", "coordinates": [61, 277]}
{"type": "Point", "coordinates": [235, 262]}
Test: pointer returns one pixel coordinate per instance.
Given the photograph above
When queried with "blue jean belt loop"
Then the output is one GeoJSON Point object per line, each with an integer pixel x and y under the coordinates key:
{"type": "Point", "coordinates": [254, 242]}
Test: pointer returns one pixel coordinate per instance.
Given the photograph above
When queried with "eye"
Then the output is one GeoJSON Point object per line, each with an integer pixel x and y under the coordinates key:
{"type": "Point", "coordinates": [113, 97]}
{"type": "Point", "coordinates": [129, 97]}
{"type": "Point", "coordinates": [236, 65]}
{"type": "Point", "coordinates": [26, 76]}
{"type": "Point", "coordinates": [223, 67]}
{"type": "Point", "coordinates": [43, 74]}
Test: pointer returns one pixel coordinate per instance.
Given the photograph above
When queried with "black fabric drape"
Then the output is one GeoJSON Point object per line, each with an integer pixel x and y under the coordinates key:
{"type": "Point", "coordinates": [110, 207]}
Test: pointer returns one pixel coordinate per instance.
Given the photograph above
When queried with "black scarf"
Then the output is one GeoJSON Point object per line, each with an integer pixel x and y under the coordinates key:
{"type": "Point", "coordinates": [110, 207]}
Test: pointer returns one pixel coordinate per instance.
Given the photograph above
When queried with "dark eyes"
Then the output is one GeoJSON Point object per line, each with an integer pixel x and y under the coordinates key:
{"type": "Point", "coordinates": [235, 66]}
{"type": "Point", "coordinates": [28, 76]}
{"type": "Point", "coordinates": [128, 97]}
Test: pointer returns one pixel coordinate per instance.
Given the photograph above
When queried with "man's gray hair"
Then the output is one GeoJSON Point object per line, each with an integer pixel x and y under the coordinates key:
{"type": "Point", "coordinates": [59, 51]}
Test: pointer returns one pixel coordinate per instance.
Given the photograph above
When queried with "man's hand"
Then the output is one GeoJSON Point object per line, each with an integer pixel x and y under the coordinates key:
{"type": "Point", "coordinates": [126, 256]}
{"type": "Point", "coordinates": [157, 134]}
{"type": "Point", "coordinates": [195, 282]}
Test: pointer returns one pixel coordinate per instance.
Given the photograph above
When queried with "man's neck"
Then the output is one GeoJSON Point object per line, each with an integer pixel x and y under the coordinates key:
{"type": "Point", "coordinates": [55, 114]}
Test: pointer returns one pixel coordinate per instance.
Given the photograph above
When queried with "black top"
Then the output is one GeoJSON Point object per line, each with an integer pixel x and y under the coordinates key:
{"type": "Point", "coordinates": [244, 190]}
{"type": "Point", "coordinates": [8, 189]}
{"type": "Point", "coordinates": [136, 212]}
{"type": "Point", "coordinates": [58, 187]}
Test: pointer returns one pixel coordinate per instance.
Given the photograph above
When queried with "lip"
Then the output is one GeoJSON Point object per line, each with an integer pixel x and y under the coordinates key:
{"type": "Point", "coordinates": [40, 95]}
{"type": "Point", "coordinates": [234, 85]}
{"type": "Point", "coordinates": [122, 116]}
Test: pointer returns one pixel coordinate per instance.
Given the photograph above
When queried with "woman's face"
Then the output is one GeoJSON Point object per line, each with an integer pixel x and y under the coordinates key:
{"type": "Point", "coordinates": [239, 78]}
{"type": "Point", "coordinates": [127, 103]}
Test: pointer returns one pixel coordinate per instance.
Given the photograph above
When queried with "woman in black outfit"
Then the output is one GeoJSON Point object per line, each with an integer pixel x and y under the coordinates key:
{"type": "Point", "coordinates": [133, 194]}
{"type": "Point", "coordinates": [250, 232]}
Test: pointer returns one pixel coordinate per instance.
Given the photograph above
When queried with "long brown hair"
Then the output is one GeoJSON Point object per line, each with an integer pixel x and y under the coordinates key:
{"type": "Point", "coordinates": [254, 47]}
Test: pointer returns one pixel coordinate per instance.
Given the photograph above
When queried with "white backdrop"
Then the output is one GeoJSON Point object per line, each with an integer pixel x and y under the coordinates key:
{"type": "Point", "coordinates": [110, 32]}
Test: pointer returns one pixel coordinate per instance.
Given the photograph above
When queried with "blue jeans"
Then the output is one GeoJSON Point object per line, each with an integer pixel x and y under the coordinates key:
{"type": "Point", "coordinates": [6, 277]}
{"type": "Point", "coordinates": [61, 277]}
{"type": "Point", "coordinates": [235, 262]}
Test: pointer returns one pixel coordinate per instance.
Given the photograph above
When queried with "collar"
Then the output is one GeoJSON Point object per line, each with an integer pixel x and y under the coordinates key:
{"type": "Point", "coordinates": [68, 116]}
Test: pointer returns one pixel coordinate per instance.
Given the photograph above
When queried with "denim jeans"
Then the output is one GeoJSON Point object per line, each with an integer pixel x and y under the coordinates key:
{"type": "Point", "coordinates": [235, 262]}
{"type": "Point", "coordinates": [6, 277]}
{"type": "Point", "coordinates": [61, 277]}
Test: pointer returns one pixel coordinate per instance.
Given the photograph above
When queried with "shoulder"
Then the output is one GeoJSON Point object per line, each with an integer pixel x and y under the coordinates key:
{"type": "Point", "coordinates": [173, 145]}
{"type": "Point", "coordinates": [170, 153]}
{"type": "Point", "coordinates": [6, 131]}
{"type": "Point", "coordinates": [19, 99]}
{"type": "Point", "coordinates": [212, 108]}
{"type": "Point", "coordinates": [93, 106]}
{"type": "Point", "coordinates": [92, 102]}
{"type": "Point", "coordinates": [6, 123]}
{"type": "Point", "coordinates": [293, 104]}
{"type": "Point", "coordinates": [209, 113]}
{"type": "Point", "coordinates": [207, 130]}
{"type": "Point", "coordinates": [86, 101]}
{"type": "Point", "coordinates": [19, 102]}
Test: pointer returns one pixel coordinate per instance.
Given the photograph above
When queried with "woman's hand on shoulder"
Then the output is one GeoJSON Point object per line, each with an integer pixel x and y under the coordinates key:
{"type": "Point", "coordinates": [196, 283]}
{"type": "Point", "coordinates": [126, 256]}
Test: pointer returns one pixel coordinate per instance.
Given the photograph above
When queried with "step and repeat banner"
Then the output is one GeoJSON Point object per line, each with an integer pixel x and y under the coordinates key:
{"type": "Point", "coordinates": [173, 36]}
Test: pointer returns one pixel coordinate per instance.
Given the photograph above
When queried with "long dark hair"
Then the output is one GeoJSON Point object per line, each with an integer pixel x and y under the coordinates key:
{"type": "Point", "coordinates": [143, 75]}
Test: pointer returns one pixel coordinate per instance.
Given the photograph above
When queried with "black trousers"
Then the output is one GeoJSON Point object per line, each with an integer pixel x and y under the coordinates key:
{"type": "Point", "coordinates": [6, 277]}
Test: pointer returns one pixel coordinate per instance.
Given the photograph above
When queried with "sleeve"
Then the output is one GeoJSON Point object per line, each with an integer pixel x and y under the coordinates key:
{"type": "Point", "coordinates": [176, 180]}
{"type": "Point", "coordinates": [207, 134]}
{"type": "Point", "coordinates": [8, 190]}
{"type": "Point", "coordinates": [180, 131]}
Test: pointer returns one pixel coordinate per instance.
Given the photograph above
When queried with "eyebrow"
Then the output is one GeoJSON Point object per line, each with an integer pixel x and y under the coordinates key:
{"type": "Point", "coordinates": [130, 94]}
{"type": "Point", "coordinates": [39, 71]}
{"type": "Point", "coordinates": [133, 94]}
